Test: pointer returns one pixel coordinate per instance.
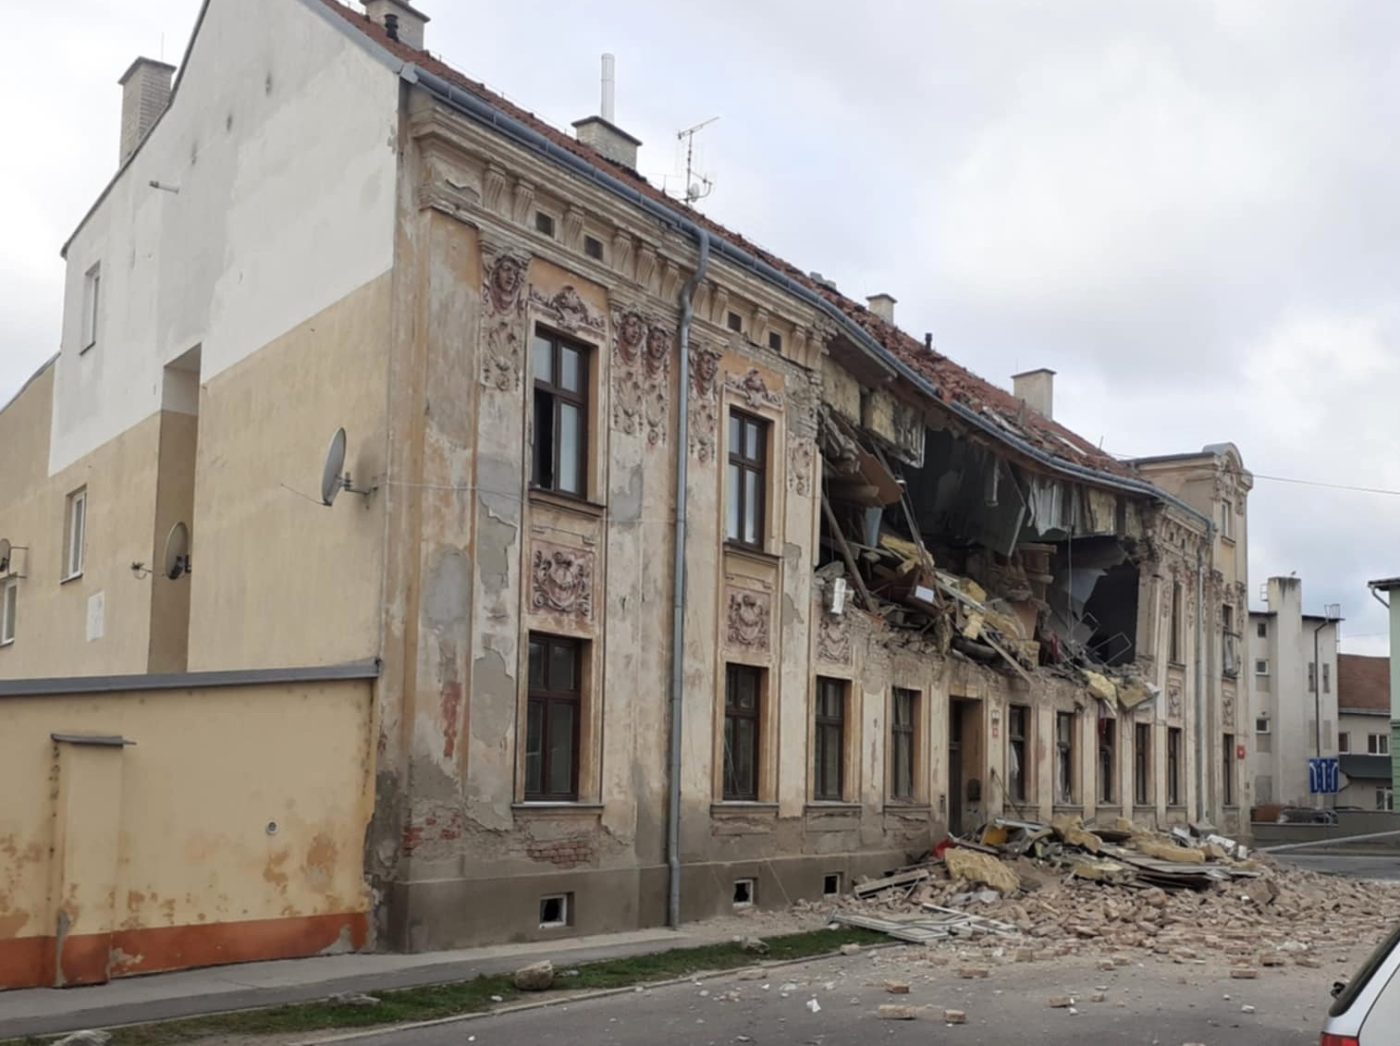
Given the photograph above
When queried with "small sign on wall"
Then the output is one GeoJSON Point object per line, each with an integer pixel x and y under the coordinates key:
{"type": "Point", "coordinates": [96, 615]}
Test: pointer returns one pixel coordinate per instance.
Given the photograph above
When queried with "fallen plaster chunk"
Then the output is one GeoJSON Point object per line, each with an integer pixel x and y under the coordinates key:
{"type": "Point", "coordinates": [890, 1012]}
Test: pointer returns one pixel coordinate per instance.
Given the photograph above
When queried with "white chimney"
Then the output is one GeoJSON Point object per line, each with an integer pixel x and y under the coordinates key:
{"type": "Point", "coordinates": [145, 94]}
{"type": "Point", "coordinates": [882, 305]}
{"type": "Point", "coordinates": [599, 132]}
{"type": "Point", "coordinates": [1036, 389]}
{"type": "Point", "coordinates": [400, 19]}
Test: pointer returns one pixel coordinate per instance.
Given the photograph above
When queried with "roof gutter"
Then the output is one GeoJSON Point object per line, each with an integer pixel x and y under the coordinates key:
{"type": "Point", "coordinates": [483, 112]}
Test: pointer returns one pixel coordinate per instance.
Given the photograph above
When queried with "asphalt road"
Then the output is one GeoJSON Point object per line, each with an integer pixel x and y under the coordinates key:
{"type": "Point", "coordinates": [1159, 1003]}
{"type": "Point", "coordinates": [1369, 866]}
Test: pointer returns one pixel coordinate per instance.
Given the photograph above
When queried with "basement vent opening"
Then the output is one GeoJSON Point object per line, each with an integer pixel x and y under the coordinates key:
{"type": "Point", "coordinates": [554, 911]}
{"type": "Point", "coordinates": [593, 247]}
{"type": "Point", "coordinates": [735, 322]}
{"type": "Point", "coordinates": [745, 892]}
{"type": "Point", "coordinates": [831, 885]}
{"type": "Point", "coordinates": [544, 223]}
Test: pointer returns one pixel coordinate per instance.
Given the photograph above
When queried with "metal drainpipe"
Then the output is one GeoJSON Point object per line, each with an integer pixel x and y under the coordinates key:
{"type": "Point", "coordinates": [1201, 678]}
{"type": "Point", "coordinates": [673, 818]}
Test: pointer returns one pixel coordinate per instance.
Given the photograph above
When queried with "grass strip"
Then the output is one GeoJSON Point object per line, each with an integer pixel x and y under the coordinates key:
{"type": "Point", "coordinates": [481, 993]}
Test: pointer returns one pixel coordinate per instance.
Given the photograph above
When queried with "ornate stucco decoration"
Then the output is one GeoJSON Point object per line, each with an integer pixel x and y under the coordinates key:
{"type": "Point", "coordinates": [641, 373]}
{"type": "Point", "coordinates": [748, 618]}
{"type": "Point", "coordinates": [834, 639]}
{"type": "Point", "coordinates": [656, 382]}
{"type": "Point", "coordinates": [1173, 700]}
{"type": "Point", "coordinates": [801, 460]}
{"type": "Point", "coordinates": [629, 331]}
{"type": "Point", "coordinates": [445, 187]}
{"type": "Point", "coordinates": [561, 580]}
{"type": "Point", "coordinates": [754, 389]}
{"type": "Point", "coordinates": [704, 401]}
{"type": "Point", "coordinates": [568, 310]}
{"type": "Point", "coordinates": [502, 316]}
{"type": "Point", "coordinates": [1227, 707]}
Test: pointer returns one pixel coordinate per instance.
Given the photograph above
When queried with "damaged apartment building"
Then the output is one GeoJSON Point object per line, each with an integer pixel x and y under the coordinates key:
{"type": "Point", "coordinates": [648, 576]}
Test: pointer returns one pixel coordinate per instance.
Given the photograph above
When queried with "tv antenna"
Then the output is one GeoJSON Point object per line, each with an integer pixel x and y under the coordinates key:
{"type": "Point", "coordinates": [6, 555]}
{"type": "Point", "coordinates": [697, 187]}
{"type": "Point", "coordinates": [334, 476]}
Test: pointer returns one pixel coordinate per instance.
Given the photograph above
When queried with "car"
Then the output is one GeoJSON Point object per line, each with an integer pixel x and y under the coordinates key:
{"type": "Point", "coordinates": [1365, 1011]}
{"type": "Point", "coordinates": [1306, 815]}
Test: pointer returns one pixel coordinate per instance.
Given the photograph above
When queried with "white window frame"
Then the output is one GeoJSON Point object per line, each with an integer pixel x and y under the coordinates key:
{"type": "Point", "coordinates": [1258, 661]}
{"type": "Point", "coordinates": [1267, 724]}
{"type": "Point", "coordinates": [9, 609]}
{"type": "Point", "coordinates": [1227, 520]}
{"type": "Point", "coordinates": [92, 305]}
{"type": "Point", "coordinates": [1385, 799]}
{"type": "Point", "coordinates": [1378, 744]}
{"type": "Point", "coordinates": [74, 534]}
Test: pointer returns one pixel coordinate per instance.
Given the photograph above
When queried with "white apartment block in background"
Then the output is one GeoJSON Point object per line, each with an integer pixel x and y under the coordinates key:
{"type": "Point", "coordinates": [1293, 659]}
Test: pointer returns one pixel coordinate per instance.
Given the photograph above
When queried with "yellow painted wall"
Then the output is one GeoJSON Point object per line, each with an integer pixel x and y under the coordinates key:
{"type": "Point", "coordinates": [189, 806]}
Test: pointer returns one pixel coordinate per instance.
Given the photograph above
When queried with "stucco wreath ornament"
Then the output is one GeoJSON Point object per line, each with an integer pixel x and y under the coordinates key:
{"type": "Point", "coordinates": [563, 582]}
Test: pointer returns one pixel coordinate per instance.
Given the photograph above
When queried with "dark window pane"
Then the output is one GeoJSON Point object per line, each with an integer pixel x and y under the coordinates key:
{"type": "Point", "coordinates": [563, 723]}
{"type": "Point", "coordinates": [544, 360]}
{"type": "Point", "coordinates": [731, 504]}
{"type": "Point", "coordinates": [751, 507]}
{"type": "Point", "coordinates": [753, 445]}
{"type": "Point", "coordinates": [536, 665]}
{"type": "Point", "coordinates": [736, 442]}
{"type": "Point", "coordinates": [570, 448]}
{"type": "Point", "coordinates": [543, 471]}
{"type": "Point", "coordinates": [534, 749]}
{"type": "Point", "coordinates": [570, 369]}
{"type": "Point", "coordinates": [563, 667]}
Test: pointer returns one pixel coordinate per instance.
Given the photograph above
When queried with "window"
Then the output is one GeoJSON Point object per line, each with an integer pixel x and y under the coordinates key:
{"type": "Point", "coordinates": [734, 321]}
{"type": "Point", "coordinates": [552, 727]}
{"type": "Point", "coordinates": [1174, 650]}
{"type": "Point", "coordinates": [1142, 763]}
{"type": "Point", "coordinates": [1261, 726]}
{"type": "Point", "coordinates": [1173, 766]}
{"type": "Point", "coordinates": [9, 604]}
{"type": "Point", "coordinates": [1312, 676]}
{"type": "Point", "coordinates": [1018, 770]}
{"type": "Point", "coordinates": [1261, 630]}
{"type": "Point", "coordinates": [775, 341]}
{"type": "Point", "coordinates": [745, 892]}
{"type": "Point", "coordinates": [1108, 757]}
{"type": "Point", "coordinates": [1227, 618]}
{"type": "Point", "coordinates": [74, 533]}
{"type": "Point", "coordinates": [829, 743]}
{"type": "Point", "coordinates": [1064, 756]}
{"type": "Point", "coordinates": [748, 463]}
{"type": "Point", "coordinates": [593, 247]}
{"type": "Point", "coordinates": [1227, 519]}
{"type": "Point", "coordinates": [831, 884]}
{"type": "Point", "coordinates": [904, 717]}
{"type": "Point", "coordinates": [92, 299]}
{"type": "Point", "coordinates": [555, 911]}
{"type": "Point", "coordinates": [561, 416]}
{"type": "Point", "coordinates": [1378, 744]}
{"type": "Point", "coordinates": [743, 690]}
{"type": "Point", "coordinates": [1261, 667]}
{"type": "Point", "coordinates": [1385, 799]}
{"type": "Point", "coordinates": [1326, 677]}
{"type": "Point", "coordinates": [1227, 770]}
{"type": "Point", "coordinates": [1344, 742]}
{"type": "Point", "coordinates": [544, 223]}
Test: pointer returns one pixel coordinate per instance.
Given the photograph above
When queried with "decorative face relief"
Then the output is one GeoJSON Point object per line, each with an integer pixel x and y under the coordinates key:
{"type": "Point", "coordinates": [801, 461]}
{"type": "Point", "coordinates": [704, 402]}
{"type": "Point", "coordinates": [749, 614]}
{"type": "Point", "coordinates": [502, 318]}
{"type": "Point", "coordinates": [641, 372]}
{"type": "Point", "coordinates": [1173, 700]}
{"type": "Point", "coordinates": [834, 639]}
{"type": "Point", "coordinates": [561, 581]}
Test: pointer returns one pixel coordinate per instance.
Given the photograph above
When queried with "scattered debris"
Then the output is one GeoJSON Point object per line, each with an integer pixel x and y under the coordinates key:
{"type": "Point", "coordinates": [814, 1006]}
{"type": "Point", "coordinates": [536, 977]}
{"type": "Point", "coordinates": [1243, 973]}
{"type": "Point", "coordinates": [86, 1037]}
{"type": "Point", "coordinates": [850, 949]}
{"type": "Point", "coordinates": [897, 987]}
{"type": "Point", "coordinates": [1060, 1002]}
{"type": "Point", "coordinates": [354, 999]}
{"type": "Point", "coordinates": [982, 868]}
{"type": "Point", "coordinates": [889, 1012]}
{"type": "Point", "coordinates": [954, 1017]}
{"type": "Point", "coordinates": [1246, 1008]}
{"type": "Point", "coordinates": [754, 945]}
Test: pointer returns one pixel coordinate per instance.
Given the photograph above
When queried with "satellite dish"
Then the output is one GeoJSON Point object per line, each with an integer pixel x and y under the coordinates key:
{"type": "Point", "coordinates": [4, 555]}
{"type": "Point", "coordinates": [332, 478]}
{"type": "Point", "coordinates": [176, 562]}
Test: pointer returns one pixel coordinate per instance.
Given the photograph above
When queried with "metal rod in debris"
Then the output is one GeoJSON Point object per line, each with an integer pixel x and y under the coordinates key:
{"type": "Point", "coordinates": [1326, 842]}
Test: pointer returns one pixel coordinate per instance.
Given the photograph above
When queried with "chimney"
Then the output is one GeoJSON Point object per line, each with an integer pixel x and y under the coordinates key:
{"type": "Point", "coordinates": [400, 19]}
{"type": "Point", "coordinates": [145, 94]}
{"type": "Point", "coordinates": [1036, 389]}
{"type": "Point", "coordinates": [882, 305]}
{"type": "Point", "coordinates": [599, 132]}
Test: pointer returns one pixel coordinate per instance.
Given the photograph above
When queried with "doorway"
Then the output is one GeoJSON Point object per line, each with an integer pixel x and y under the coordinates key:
{"type": "Point", "coordinates": [966, 760]}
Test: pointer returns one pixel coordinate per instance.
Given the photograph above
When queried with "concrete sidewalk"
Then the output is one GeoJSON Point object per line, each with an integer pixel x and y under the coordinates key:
{"type": "Point", "coordinates": [218, 989]}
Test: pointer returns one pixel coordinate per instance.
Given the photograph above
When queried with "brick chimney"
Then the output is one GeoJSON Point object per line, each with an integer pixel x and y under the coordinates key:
{"type": "Point", "coordinates": [599, 132]}
{"type": "Point", "coordinates": [1036, 389]}
{"type": "Point", "coordinates": [882, 305]}
{"type": "Point", "coordinates": [145, 94]}
{"type": "Point", "coordinates": [400, 19]}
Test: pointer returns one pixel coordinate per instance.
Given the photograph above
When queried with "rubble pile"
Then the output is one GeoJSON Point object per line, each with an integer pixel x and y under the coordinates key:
{"type": "Point", "coordinates": [1030, 892]}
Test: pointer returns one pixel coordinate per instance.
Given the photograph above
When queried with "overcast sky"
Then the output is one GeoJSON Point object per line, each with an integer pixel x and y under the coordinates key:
{"type": "Point", "coordinates": [1190, 210]}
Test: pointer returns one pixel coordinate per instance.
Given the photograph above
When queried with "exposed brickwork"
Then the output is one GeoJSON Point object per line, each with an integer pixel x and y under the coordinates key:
{"type": "Point", "coordinates": [565, 853]}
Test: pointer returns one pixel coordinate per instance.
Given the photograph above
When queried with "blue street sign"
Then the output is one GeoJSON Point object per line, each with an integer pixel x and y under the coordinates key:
{"type": "Point", "coordinates": [1322, 776]}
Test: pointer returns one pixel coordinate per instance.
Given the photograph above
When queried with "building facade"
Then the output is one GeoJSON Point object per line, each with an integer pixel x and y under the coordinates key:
{"type": "Point", "coordinates": [685, 581]}
{"type": "Point", "coordinates": [1363, 735]}
{"type": "Point", "coordinates": [1293, 660]}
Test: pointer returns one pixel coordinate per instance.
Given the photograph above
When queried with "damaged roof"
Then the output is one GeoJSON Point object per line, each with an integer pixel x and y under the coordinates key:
{"type": "Point", "coordinates": [1001, 414]}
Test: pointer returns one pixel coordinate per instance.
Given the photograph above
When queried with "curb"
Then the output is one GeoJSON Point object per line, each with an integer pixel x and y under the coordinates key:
{"type": "Point", "coordinates": [583, 996]}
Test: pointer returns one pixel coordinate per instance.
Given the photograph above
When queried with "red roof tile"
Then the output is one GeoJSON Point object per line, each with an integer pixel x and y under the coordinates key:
{"type": "Point", "coordinates": [1363, 682]}
{"type": "Point", "coordinates": [953, 381]}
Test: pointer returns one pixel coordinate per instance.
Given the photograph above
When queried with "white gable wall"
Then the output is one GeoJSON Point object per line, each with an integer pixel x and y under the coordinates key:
{"type": "Point", "coordinates": [281, 141]}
